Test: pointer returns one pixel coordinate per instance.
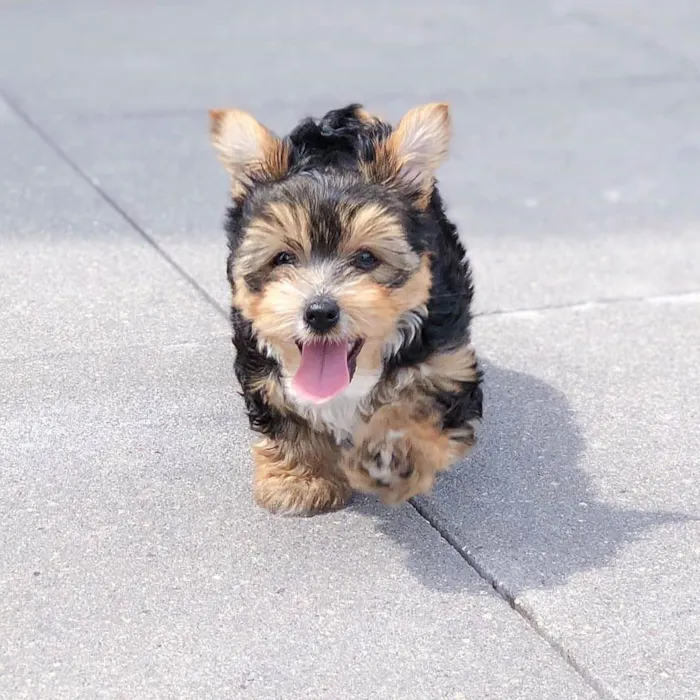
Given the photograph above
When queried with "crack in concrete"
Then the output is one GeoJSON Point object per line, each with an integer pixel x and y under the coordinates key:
{"type": "Point", "coordinates": [110, 201]}
{"type": "Point", "coordinates": [692, 296]}
{"type": "Point", "coordinates": [566, 655]}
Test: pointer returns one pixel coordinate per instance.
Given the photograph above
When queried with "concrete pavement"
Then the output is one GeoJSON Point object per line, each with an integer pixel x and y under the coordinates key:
{"type": "Point", "coordinates": [560, 561]}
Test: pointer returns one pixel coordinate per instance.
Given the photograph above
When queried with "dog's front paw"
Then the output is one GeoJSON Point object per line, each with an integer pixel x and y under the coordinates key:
{"type": "Point", "coordinates": [388, 461]}
{"type": "Point", "coordinates": [287, 488]}
{"type": "Point", "coordinates": [388, 467]}
{"type": "Point", "coordinates": [289, 494]}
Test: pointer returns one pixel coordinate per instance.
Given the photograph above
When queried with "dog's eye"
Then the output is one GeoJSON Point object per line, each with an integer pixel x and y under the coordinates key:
{"type": "Point", "coordinates": [284, 258]}
{"type": "Point", "coordinates": [364, 260]}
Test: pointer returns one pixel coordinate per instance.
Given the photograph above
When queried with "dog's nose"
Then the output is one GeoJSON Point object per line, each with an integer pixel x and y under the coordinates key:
{"type": "Point", "coordinates": [322, 314]}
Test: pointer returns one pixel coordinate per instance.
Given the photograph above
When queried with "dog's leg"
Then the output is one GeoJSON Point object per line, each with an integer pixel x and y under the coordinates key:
{"type": "Point", "coordinates": [299, 477]}
{"type": "Point", "coordinates": [401, 449]}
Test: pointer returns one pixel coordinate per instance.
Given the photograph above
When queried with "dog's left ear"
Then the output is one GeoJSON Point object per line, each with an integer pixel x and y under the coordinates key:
{"type": "Point", "coordinates": [248, 150]}
{"type": "Point", "coordinates": [412, 152]}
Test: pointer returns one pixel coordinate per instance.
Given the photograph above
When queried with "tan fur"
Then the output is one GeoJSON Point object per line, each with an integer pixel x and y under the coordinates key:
{"type": "Point", "coordinates": [300, 478]}
{"type": "Point", "coordinates": [370, 358]}
{"type": "Point", "coordinates": [416, 291]}
{"type": "Point", "coordinates": [375, 310]}
{"type": "Point", "coordinates": [368, 226]}
{"type": "Point", "coordinates": [365, 117]}
{"type": "Point", "coordinates": [400, 450]}
{"type": "Point", "coordinates": [412, 153]}
{"type": "Point", "coordinates": [422, 136]}
{"type": "Point", "coordinates": [440, 372]}
{"type": "Point", "coordinates": [281, 227]}
{"type": "Point", "coordinates": [246, 148]}
{"type": "Point", "coordinates": [374, 229]}
{"type": "Point", "coordinates": [403, 430]}
{"type": "Point", "coordinates": [444, 370]}
{"type": "Point", "coordinates": [290, 223]}
{"type": "Point", "coordinates": [370, 311]}
{"type": "Point", "coordinates": [273, 392]}
{"type": "Point", "coordinates": [244, 299]}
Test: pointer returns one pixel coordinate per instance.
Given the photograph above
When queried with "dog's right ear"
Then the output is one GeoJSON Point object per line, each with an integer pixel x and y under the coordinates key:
{"type": "Point", "coordinates": [248, 150]}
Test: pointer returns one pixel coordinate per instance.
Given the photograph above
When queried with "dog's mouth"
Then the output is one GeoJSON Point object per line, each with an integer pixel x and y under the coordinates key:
{"type": "Point", "coordinates": [326, 368]}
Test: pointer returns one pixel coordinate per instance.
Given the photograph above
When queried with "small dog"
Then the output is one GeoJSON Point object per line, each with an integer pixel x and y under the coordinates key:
{"type": "Point", "coordinates": [351, 297]}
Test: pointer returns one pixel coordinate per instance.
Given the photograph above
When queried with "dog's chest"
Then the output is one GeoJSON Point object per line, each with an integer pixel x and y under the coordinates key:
{"type": "Point", "coordinates": [341, 415]}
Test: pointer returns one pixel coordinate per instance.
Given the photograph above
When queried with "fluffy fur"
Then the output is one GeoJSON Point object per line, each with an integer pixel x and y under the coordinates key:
{"type": "Point", "coordinates": [346, 206]}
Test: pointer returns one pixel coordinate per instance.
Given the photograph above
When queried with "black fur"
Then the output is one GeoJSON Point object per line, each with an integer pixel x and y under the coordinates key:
{"type": "Point", "coordinates": [329, 150]}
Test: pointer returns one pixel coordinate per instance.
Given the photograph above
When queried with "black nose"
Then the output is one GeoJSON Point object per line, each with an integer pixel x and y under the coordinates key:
{"type": "Point", "coordinates": [322, 314]}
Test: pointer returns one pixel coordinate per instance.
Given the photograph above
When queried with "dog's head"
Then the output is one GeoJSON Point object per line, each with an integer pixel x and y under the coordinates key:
{"type": "Point", "coordinates": [330, 237]}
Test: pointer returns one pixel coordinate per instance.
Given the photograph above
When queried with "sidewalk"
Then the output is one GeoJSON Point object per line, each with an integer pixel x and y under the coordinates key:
{"type": "Point", "coordinates": [561, 561]}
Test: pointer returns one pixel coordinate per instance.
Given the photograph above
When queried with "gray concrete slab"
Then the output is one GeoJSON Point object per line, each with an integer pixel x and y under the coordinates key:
{"type": "Point", "coordinates": [133, 563]}
{"type": "Point", "coordinates": [582, 501]}
{"type": "Point", "coordinates": [671, 33]}
{"type": "Point", "coordinates": [74, 273]}
{"type": "Point", "coordinates": [556, 199]}
{"type": "Point", "coordinates": [575, 154]}
{"type": "Point", "coordinates": [147, 55]}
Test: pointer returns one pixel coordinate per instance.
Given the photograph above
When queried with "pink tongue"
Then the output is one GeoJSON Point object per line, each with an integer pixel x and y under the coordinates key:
{"type": "Point", "coordinates": [323, 372]}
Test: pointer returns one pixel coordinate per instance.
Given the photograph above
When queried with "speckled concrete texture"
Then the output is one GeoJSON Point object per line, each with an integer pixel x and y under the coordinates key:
{"type": "Point", "coordinates": [559, 561]}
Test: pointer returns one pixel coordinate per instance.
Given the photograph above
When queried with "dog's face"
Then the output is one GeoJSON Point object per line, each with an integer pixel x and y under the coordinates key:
{"type": "Point", "coordinates": [331, 264]}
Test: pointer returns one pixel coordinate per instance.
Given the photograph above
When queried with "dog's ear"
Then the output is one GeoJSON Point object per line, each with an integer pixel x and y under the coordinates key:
{"type": "Point", "coordinates": [414, 150]}
{"type": "Point", "coordinates": [248, 150]}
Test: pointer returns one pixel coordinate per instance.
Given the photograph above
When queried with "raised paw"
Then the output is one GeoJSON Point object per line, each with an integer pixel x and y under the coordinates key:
{"type": "Point", "coordinates": [388, 466]}
{"type": "Point", "coordinates": [388, 461]}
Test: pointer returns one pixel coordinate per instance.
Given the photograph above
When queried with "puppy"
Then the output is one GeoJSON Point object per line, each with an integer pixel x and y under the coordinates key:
{"type": "Point", "coordinates": [351, 297]}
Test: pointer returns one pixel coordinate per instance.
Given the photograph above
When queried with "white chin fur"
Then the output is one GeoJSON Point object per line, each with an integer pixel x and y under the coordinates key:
{"type": "Point", "coordinates": [341, 414]}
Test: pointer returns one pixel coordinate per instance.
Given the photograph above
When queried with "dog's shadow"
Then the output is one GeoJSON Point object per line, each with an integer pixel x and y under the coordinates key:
{"type": "Point", "coordinates": [520, 508]}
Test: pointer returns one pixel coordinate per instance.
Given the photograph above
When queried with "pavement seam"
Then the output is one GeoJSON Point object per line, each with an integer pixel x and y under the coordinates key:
{"type": "Point", "coordinates": [204, 294]}
{"type": "Point", "coordinates": [557, 646]}
{"type": "Point", "coordinates": [223, 336]}
{"type": "Point", "coordinates": [111, 202]}
{"type": "Point", "coordinates": [692, 296]}
{"type": "Point", "coordinates": [202, 291]}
